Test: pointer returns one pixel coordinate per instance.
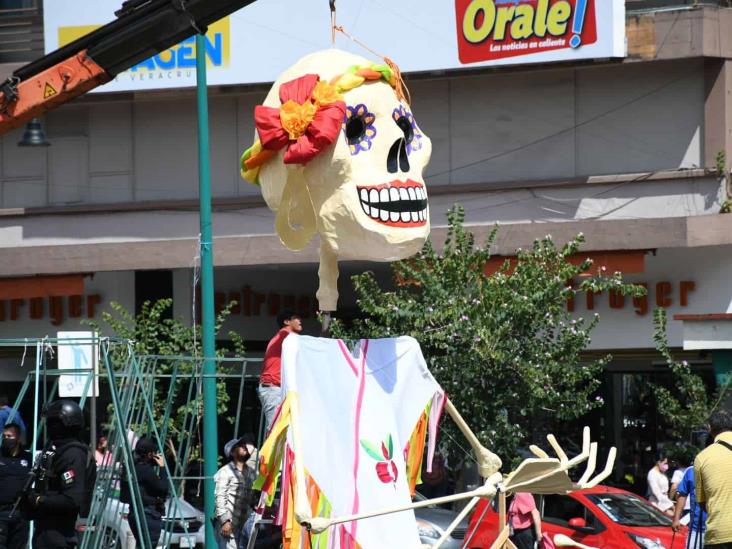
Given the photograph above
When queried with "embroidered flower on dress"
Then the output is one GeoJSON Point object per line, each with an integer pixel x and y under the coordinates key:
{"type": "Point", "coordinates": [386, 469]}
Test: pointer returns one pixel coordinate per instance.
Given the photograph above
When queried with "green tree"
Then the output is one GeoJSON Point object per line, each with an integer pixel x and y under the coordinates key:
{"type": "Point", "coordinates": [686, 405]}
{"type": "Point", "coordinates": [504, 347]}
{"type": "Point", "coordinates": [152, 334]}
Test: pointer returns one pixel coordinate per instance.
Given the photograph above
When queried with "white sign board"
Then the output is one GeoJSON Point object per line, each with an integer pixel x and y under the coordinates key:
{"type": "Point", "coordinates": [258, 42]}
{"type": "Point", "coordinates": [78, 351]}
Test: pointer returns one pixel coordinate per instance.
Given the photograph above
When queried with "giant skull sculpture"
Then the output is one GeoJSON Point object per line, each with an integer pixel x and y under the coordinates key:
{"type": "Point", "coordinates": [339, 153]}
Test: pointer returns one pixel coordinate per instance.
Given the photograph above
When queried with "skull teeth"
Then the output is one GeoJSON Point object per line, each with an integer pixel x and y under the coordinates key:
{"type": "Point", "coordinates": [395, 204]}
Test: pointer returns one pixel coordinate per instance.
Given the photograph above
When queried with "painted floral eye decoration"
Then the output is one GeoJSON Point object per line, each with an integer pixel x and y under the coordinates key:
{"type": "Point", "coordinates": [358, 126]}
{"type": "Point", "coordinates": [412, 134]}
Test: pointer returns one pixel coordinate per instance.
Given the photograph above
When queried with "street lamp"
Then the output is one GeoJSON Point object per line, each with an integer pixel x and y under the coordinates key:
{"type": "Point", "coordinates": [33, 135]}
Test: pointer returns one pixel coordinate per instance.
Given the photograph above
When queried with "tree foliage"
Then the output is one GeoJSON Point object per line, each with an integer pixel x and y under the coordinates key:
{"type": "Point", "coordinates": [504, 347]}
{"type": "Point", "coordinates": [153, 334]}
{"type": "Point", "coordinates": [685, 406]}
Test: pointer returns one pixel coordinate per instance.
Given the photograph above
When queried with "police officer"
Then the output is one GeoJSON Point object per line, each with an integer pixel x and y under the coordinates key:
{"type": "Point", "coordinates": [65, 483]}
{"type": "Point", "coordinates": [152, 481]}
{"type": "Point", "coordinates": [15, 466]}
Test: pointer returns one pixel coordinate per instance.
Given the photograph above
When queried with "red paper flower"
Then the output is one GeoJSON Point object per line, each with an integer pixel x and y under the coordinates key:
{"type": "Point", "coordinates": [308, 121]}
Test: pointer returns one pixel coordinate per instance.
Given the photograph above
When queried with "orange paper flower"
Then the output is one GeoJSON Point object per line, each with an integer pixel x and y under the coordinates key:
{"type": "Point", "coordinates": [296, 118]}
{"type": "Point", "coordinates": [325, 94]}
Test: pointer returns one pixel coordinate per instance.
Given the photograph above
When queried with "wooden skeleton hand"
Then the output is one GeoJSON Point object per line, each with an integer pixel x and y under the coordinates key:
{"type": "Point", "coordinates": [549, 475]}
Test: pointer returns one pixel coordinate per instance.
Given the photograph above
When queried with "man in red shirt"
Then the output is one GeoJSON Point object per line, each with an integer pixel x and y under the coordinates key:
{"type": "Point", "coordinates": [270, 394]}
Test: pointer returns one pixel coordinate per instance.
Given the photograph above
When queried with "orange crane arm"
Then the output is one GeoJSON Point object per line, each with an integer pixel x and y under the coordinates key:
{"type": "Point", "coordinates": [143, 28]}
{"type": "Point", "coordinates": [50, 89]}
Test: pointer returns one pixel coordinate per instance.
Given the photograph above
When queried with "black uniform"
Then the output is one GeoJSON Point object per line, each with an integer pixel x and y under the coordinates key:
{"type": "Point", "coordinates": [153, 492]}
{"type": "Point", "coordinates": [55, 504]}
{"type": "Point", "coordinates": [14, 471]}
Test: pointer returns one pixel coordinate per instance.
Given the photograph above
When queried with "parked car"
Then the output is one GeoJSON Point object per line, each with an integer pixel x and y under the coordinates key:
{"type": "Point", "coordinates": [598, 517]}
{"type": "Point", "coordinates": [432, 522]}
{"type": "Point", "coordinates": [183, 526]}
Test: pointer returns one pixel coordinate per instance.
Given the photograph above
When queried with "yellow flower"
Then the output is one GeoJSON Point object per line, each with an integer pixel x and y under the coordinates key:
{"type": "Point", "coordinates": [296, 118]}
{"type": "Point", "coordinates": [325, 94]}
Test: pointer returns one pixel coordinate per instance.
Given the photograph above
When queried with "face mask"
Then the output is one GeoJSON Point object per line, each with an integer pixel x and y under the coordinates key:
{"type": "Point", "coordinates": [10, 444]}
{"type": "Point", "coordinates": [663, 467]}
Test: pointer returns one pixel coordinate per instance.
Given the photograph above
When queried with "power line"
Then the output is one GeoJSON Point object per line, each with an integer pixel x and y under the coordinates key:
{"type": "Point", "coordinates": [567, 129]}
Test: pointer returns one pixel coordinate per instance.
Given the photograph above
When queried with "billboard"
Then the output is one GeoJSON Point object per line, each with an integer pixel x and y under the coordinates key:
{"type": "Point", "coordinates": [493, 30]}
{"type": "Point", "coordinates": [257, 43]}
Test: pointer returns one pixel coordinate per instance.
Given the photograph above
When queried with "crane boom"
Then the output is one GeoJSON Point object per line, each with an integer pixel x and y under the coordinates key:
{"type": "Point", "coordinates": [142, 29]}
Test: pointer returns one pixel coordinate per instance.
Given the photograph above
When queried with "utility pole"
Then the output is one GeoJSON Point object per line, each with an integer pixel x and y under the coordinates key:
{"type": "Point", "coordinates": [210, 434]}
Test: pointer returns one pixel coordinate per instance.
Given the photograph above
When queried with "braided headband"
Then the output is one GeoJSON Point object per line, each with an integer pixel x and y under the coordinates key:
{"type": "Point", "coordinates": [309, 117]}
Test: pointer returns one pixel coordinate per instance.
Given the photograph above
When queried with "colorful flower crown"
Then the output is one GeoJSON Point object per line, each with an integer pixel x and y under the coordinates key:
{"type": "Point", "coordinates": [308, 120]}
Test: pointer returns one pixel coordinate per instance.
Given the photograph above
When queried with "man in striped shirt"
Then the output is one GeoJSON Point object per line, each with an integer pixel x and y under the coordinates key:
{"type": "Point", "coordinates": [233, 492]}
{"type": "Point", "coordinates": [713, 476]}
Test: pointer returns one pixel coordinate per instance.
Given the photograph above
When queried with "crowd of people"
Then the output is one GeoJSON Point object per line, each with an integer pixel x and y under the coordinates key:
{"type": "Point", "coordinates": [699, 495]}
{"type": "Point", "coordinates": [56, 487]}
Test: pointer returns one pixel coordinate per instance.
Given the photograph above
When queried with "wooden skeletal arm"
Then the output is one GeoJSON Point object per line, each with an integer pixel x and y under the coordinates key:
{"type": "Point", "coordinates": [488, 490]}
{"type": "Point", "coordinates": [488, 462]}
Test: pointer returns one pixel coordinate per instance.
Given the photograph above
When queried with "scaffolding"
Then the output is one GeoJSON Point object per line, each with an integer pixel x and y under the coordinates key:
{"type": "Point", "coordinates": [158, 396]}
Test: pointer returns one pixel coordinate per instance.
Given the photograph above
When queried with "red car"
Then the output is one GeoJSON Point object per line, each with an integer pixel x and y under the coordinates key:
{"type": "Point", "coordinates": [601, 517]}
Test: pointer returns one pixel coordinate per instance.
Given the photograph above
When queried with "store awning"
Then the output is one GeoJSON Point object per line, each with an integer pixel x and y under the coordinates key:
{"type": "Point", "coordinates": [712, 331]}
{"type": "Point", "coordinates": [41, 286]}
{"type": "Point", "coordinates": [626, 262]}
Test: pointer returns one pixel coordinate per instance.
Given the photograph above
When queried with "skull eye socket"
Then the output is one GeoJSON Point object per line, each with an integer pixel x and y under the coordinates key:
{"type": "Point", "coordinates": [406, 127]}
{"type": "Point", "coordinates": [355, 130]}
{"type": "Point", "coordinates": [358, 127]}
{"type": "Point", "coordinates": [412, 134]}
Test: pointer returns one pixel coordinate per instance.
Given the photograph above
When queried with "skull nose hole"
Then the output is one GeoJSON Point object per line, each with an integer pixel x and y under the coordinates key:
{"type": "Point", "coordinates": [397, 160]}
{"type": "Point", "coordinates": [403, 158]}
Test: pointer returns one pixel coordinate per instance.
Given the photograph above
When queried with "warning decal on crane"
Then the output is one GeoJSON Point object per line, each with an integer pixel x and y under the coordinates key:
{"type": "Point", "coordinates": [48, 91]}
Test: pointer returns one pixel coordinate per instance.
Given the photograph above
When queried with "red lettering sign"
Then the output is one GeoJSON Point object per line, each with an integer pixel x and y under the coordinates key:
{"type": "Point", "coordinates": [497, 29]}
{"type": "Point", "coordinates": [664, 297]}
{"type": "Point", "coordinates": [54, 308]}
{"type": "Point", "coordinates": [253, 303]}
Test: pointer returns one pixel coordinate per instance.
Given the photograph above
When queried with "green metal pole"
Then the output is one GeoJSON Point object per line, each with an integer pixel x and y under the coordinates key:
{"type": "Point", "coordinates": [210, 435]}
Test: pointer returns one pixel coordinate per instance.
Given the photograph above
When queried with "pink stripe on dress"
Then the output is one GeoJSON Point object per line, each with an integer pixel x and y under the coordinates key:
{"type": "Point", "coordinates": [356, 430]}
{"type": "Point", "coordinates": [348, 357]}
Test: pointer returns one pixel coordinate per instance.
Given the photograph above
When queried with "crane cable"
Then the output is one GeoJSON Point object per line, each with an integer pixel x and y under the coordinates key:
{"type": "Point", "coordinates": [399, 85]}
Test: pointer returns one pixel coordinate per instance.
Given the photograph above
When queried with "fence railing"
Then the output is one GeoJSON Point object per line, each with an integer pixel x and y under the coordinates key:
{"type": "Point", "coordinates": [158, 396]}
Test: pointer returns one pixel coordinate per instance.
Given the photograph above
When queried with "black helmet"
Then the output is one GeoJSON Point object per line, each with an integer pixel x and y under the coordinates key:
{"type": "Point", "coordinates": [67, 412]}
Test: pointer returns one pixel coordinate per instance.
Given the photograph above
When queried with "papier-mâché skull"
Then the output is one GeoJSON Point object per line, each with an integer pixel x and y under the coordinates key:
{"type": "Point", "coordinates": [360, 185]}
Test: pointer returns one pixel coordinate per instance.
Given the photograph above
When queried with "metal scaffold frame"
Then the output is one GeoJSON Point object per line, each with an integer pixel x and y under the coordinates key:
{"type": "Point", "coordinates": [160, 396]}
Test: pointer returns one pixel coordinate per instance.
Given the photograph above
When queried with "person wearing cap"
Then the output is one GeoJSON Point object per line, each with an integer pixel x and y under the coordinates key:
{"type": "Point", "coordinates": [55, 503]}
{"type": "Point", "coordinates": [233, 492]}
{"type": "Point", "coordinates": [15, 465]}
{"type": "Point", "coordinates": [152, 482]}
{"type": "Point", "coordinates": [270, 394]}
{"type": "Point", "coordinates": [8, 414]}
